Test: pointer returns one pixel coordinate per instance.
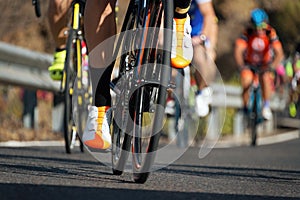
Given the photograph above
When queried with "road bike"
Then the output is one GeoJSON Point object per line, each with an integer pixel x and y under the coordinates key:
{"type": "Point", "coordinates": [141, 85]}
{"type": "Point", "coordinates": [255, 103]}
{"type": "Point", "coordinates": [75, 85]}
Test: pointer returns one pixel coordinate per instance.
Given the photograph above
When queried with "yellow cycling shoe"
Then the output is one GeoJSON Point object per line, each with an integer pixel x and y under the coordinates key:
{"type": "Point", "coordinates": [293, 110]}
{"type": "Point", "coordinates": [182, 48]}
{"type": "Point", "coordinates": [96, 135]}
{"type": "Point", "coordinates": [56, 69]}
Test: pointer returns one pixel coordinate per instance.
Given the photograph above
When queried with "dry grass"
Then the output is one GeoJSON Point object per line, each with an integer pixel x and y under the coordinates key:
{"type": "Point", "coordinates": [11, 121]}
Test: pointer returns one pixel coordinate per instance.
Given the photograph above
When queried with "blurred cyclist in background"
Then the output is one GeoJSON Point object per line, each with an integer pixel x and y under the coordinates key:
{"type": "Point", "coordinates": [58, 20]}
{"type": "Point", "coordinates": [204, 38]}
{"type": "Point", "coordinates": [293, 73]}
{"type": "Point", "coordinates": [99, 24]}
{"type": "Point", "coordinates": [258, 46]}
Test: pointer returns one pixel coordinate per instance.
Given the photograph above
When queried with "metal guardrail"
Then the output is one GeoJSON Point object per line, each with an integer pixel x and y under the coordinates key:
{"type": "Point", "coordinates": [23, 67]}
{"type": "Point", "coordinates": [26, 68]}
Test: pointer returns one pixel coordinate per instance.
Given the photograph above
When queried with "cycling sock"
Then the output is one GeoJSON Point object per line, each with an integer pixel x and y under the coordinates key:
{"type": "Point", "coordinates": [267, 104]}
{"type": "Point", "coordinates": [59, 49]}
{"type": "Point", "coordinates": [102, 92]}
{"type": "Point", "coordinates": [198, 92]}
{"type": "Point", "coordinates": [245, 110]}
{"type": "Point", "coordinates": [181, 8]}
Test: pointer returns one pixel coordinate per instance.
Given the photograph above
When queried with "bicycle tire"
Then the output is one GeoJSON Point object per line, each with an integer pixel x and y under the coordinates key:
{"type": "Point", "coordinates": [253, 121]}
{"type": "Point", "coordinates": [146, 135]}
{"type": "Point", "coordinates": [77, 93]}
{"type": "Point", "coordinates": [82, 94]}
{"type": "Point", "coordinates": [68, 81]}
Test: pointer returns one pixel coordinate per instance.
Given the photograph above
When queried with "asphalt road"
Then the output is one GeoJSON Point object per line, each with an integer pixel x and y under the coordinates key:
{"type": "Point", "coordinates": [262, 172]}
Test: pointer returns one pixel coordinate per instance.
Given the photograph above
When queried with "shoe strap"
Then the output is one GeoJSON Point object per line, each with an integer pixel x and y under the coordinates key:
{"type": "Point", "coordinates": [101, 114]}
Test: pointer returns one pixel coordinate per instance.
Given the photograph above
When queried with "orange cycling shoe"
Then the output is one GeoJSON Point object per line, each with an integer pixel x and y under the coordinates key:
{"type": "Point", "coordinates": [182, 48]}
{"type": "Point", "coordinates": [97, 131]}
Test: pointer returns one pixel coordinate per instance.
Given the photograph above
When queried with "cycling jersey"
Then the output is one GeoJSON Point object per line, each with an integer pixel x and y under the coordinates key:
{"type": "Point", "coordinates": [259, 46]}
{"type": "Point", "coordinates": [196, 16]}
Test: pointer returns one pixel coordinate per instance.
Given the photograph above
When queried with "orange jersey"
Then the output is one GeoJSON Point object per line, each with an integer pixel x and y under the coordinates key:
{"type": "Point", "coordinates": [259, 46]}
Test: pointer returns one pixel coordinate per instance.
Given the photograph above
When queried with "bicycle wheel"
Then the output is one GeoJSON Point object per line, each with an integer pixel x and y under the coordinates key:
{"type": "Point", "coordinates": [68, 81]}
{"type": "Point", "coordinates": [253, 120]}
{"type": "Point", "coordinates": [77, 83]}
{"type": "Point", "coordinates": [82, 94]}
{"type": "Point", "coordinates": [149, 99]}
{"type": "Point", "coordinates": [121, 138]}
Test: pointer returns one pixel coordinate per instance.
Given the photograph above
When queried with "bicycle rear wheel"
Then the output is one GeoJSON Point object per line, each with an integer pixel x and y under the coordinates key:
{"type": "Point", "coordinates": [150, 97]}
{"type": "Point", "coordinates": [68, 81]}
{"type": "Point", "coordinates": [121, 129]}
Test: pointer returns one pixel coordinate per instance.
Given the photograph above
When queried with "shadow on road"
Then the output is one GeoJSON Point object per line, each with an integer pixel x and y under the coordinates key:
{"type": "Point", "coordinates": [45, 192]}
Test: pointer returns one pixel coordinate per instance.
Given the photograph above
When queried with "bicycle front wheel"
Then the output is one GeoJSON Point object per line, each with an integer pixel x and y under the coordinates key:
{"type": "Point", "coordinates": [150, 97]}
{"type": "Point", "coordinates": [253, 121]}
{"type": "Point", "coordinates": [68, 81]}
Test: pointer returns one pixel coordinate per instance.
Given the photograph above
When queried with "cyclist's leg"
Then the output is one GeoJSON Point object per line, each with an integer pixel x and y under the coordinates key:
{"type": "Point", "coordinates": [57, 17]}
{"type": "Point", "coordinates": [99, 25]}
{"type": "Point", "coordinates": [205, 67]}
{"type": "Point", "coordinates": [246, 77]}
{"type": "Point", "coordinates": [182, 50]}
{"type": "Point", "coordinates": [205, 71]}
{"type": "Point", "coordinates": [267, 85]}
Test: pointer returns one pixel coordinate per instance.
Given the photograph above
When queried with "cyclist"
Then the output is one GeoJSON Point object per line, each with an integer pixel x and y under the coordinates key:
{"type": "Point", "coordinates": [57, 17]}
{"type": "Point", "coordinates": [259, 45]}
{"type": "Point", "coordinates": [204, 39]}
{"type": "Point", "coordinates": [293, 73]}
{"type": "Point", "coordinates": [99, 25]}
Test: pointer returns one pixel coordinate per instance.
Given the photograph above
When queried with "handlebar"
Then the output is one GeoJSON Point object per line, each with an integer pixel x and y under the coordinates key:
{"type": "Point", "coordinates": [36, 4]}
{"type": "Point", "coordinates": [261, 70]}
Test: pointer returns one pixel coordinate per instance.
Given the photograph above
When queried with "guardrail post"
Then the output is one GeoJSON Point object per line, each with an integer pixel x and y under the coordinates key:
{"type": "Point", "coordinates": [57, 113]}
{"type": "Point", "coordinates": [269, 126]}
{"type": "Point", "coordinates": [214, 124]}
{"type": "Point", "coordinates": [30, 110]}
{"type": "Point", "coordinates": [238, 123]}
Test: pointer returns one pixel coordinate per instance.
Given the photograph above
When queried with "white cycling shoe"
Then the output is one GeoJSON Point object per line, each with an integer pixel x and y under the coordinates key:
{"type": "Point", "coordinates": [203, 100]}
{"type": "Point", "coordinates": [267, 113]}
{"type": "Point", "coordinates": [97, 131]}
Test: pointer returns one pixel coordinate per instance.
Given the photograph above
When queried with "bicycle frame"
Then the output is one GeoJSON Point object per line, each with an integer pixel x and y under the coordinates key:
{"type": "Point", "coordinates": [255, 103]}
{"type": "Point", "coordinates": [255, 98]}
